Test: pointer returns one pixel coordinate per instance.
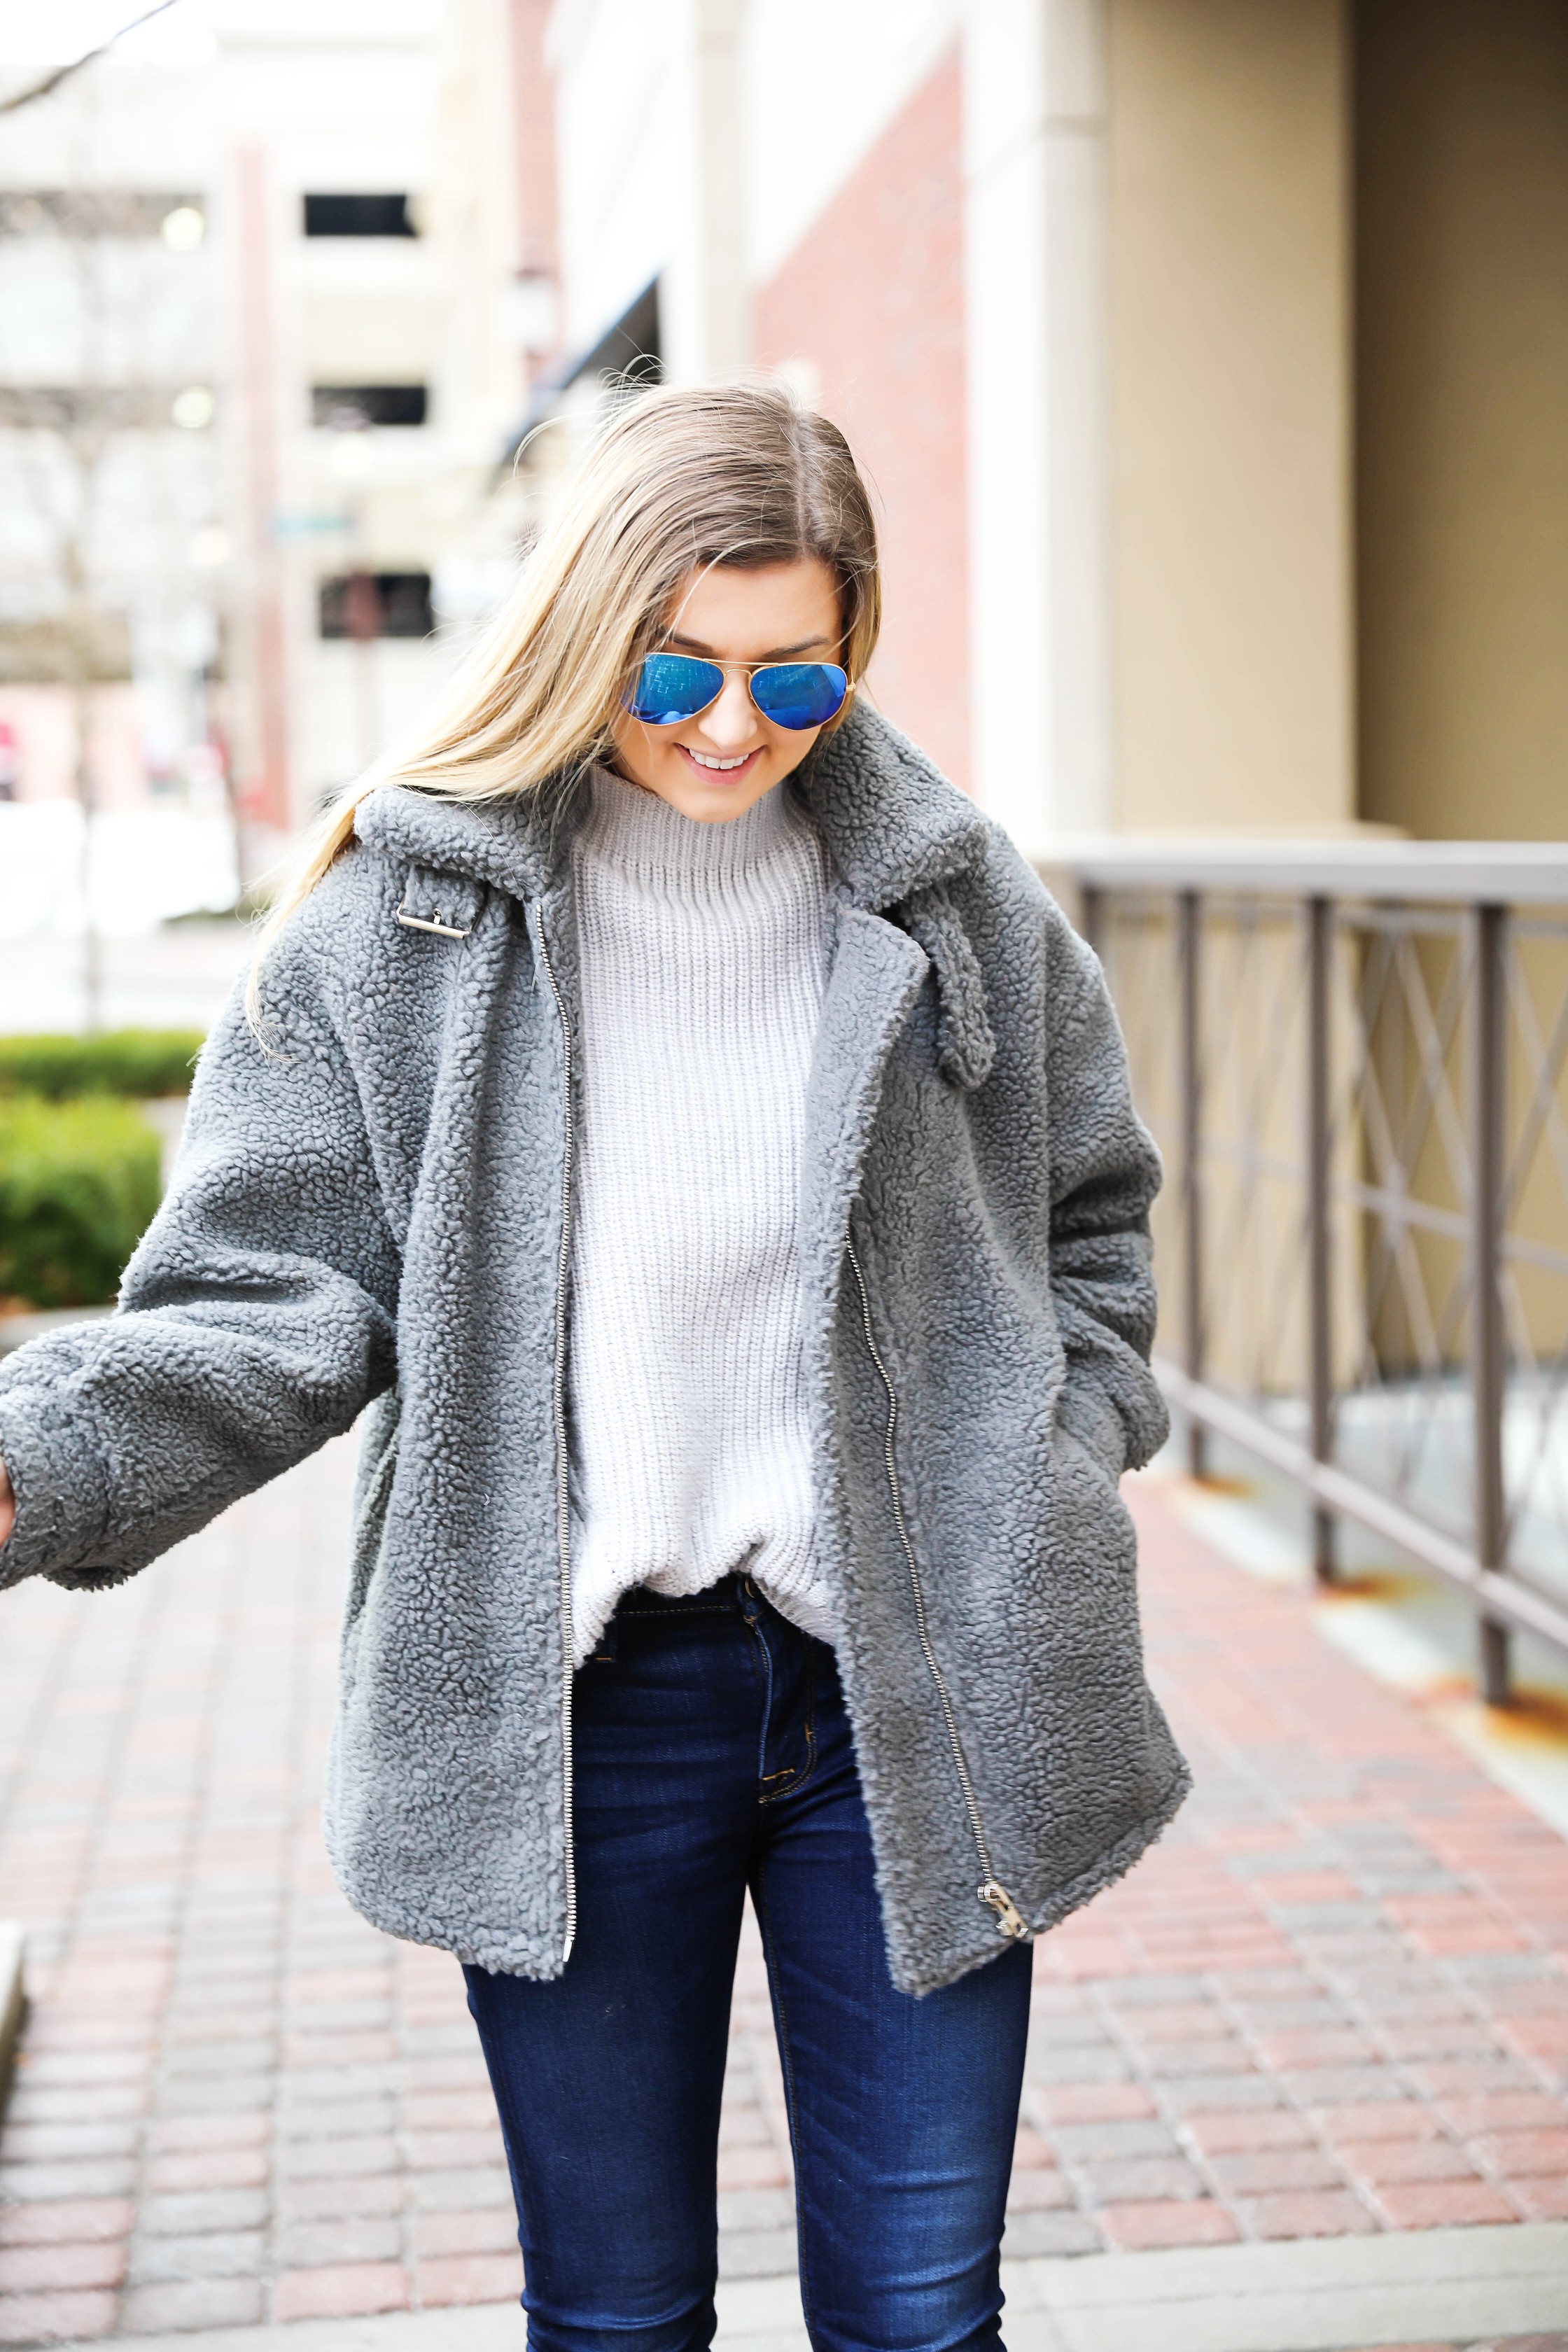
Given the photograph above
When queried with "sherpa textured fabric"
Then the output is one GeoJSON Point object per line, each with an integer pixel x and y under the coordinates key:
{"type": "Point", "coordinates": [376, 1211]}
{"type": "Point", "coordinates": [700, 958]}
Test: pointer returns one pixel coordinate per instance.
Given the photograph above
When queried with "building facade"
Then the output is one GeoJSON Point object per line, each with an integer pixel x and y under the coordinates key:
{"type": "Point", "coordinates": [1206, 355]}
{"type": "Point", "coordinates": [259, 280]}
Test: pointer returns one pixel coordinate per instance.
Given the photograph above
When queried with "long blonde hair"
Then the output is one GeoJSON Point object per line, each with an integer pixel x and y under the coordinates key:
{"type": "Point", "coordinates": [681, 479]}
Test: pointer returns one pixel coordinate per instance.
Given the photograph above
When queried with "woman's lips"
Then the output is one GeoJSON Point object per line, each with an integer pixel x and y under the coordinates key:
{"type": "Point", "coordinates": [721, 775]}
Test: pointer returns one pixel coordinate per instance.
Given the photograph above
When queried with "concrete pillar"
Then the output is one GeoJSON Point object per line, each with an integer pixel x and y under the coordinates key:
{"type": "Point", "coordinates": [702, 304]}
{"type": "Point", "coordinates": [1035, 180]}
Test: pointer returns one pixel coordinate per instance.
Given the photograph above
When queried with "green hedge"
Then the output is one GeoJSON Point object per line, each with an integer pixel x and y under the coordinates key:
{"type": "Point", "coordinates": [116, 1062]}
{"type": "Point", "coordinates": [78, 1184]}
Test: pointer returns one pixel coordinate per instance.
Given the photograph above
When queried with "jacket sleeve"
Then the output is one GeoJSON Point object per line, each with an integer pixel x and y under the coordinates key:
{"type": "Point", "coordinates": [1105, 1172]}
{"type": "Point", "coordinates": [256, 1319]}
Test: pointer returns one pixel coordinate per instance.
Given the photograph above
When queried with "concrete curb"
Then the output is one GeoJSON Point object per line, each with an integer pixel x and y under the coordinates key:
{"type": "Point", "coordinates": [1304, 2294]}
{"type": "Point", "coordinates": [12, 2002]}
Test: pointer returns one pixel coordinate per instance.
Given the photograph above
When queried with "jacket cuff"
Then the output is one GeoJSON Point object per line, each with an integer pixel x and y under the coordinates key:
{"type": "Point", "coordinates": [57, 1475]}
{"type": "Point", "coordinates": [1087, 1413]}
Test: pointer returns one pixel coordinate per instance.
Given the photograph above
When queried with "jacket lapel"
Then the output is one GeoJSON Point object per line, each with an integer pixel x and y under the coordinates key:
{"type": "Point", "coordinates": [893, 828]}
{"type": "Point", "coordinates": [874, 978]}
{"type": "Point", "coordinates": [893, 823]}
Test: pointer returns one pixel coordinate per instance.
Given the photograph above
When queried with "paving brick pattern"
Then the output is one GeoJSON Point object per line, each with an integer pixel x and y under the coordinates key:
{"type": "Point", "coordinates": [1334, 2001]}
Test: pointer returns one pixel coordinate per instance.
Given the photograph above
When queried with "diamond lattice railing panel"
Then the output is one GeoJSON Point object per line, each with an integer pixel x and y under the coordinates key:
{"type": "Point", "coordinates": [1401, 1174]}
{"type": "Point", "coordinates": [1535, 1253]}
{"type": "Point", "coordinates": [1141, 967]}
{"type": "Point", "coordinates": [1252, 1160]}
{"type": "Point", "coordinates": [1403, 1417]}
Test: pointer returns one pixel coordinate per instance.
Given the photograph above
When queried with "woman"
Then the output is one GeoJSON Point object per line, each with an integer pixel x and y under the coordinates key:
{"type": "Point", "coordinates": [689, 1128]}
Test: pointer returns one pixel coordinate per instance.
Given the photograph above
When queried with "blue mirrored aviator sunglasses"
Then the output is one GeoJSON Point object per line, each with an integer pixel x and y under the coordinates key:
{"type": "Point", "coordinates": [669, 688]}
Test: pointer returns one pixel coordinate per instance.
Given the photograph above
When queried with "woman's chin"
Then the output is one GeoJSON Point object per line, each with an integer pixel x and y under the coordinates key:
{"type": "Point", "coordinates": [713, 795]}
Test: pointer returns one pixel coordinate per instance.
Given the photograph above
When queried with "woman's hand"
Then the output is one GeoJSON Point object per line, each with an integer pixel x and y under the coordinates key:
{"type": "Point", "coordinates": [7, 1504]}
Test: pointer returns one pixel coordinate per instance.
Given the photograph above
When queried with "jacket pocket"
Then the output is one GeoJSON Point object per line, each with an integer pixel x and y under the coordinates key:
{"type": "Point", "coordinates": [1086, 1413]}
{"type": "Point", "coordinates": [373, 1491]}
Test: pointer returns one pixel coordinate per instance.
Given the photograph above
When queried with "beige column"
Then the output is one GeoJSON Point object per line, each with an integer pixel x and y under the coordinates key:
{"type": "Point", "coordinates": [1462, 197]}
{"type": "Point", "coordinates": [1230, 358]}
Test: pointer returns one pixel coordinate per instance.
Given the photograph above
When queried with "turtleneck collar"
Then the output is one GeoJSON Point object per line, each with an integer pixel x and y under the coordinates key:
{"type": "Point", "coordinates": [636, 829]}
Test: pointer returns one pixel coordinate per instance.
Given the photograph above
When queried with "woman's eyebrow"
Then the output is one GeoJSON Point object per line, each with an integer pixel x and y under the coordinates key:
{"type": "Point", "coordinates": [781, 653]}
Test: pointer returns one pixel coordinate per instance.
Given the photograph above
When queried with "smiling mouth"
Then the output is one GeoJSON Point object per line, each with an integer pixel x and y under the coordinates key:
{"type": "Point", "coordinates": [726, 768]}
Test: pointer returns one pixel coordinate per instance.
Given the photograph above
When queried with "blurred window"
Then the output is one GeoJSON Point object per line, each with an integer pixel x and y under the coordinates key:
{"type": "Point", "coordinates": [367, 605]}
{"type": "Point", "coordinates": [345, 406]}
{"type": "Point", "coordinates": [358, 217]}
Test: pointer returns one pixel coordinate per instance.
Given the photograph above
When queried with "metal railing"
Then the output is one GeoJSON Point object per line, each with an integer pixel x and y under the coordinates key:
{"type": "Point", "coordinates": [1355, 1060]}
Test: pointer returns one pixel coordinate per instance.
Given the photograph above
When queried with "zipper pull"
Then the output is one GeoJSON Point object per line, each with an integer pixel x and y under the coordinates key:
{"type": "Point", "coordinates": [1010, 1921]}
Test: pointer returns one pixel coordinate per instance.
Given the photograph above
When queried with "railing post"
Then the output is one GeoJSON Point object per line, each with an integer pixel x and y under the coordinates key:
{"type": "Point", "coordinates": [1489, 1101]}
{"type": "Point", "coordinates": [1189, 930]}
{"type": "Point", "coordinates": [1320, 1324]}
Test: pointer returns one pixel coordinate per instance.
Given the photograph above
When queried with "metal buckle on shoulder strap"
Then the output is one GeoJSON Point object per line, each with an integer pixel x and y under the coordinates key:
{"type": "Point", "coordinates": [443, 931]}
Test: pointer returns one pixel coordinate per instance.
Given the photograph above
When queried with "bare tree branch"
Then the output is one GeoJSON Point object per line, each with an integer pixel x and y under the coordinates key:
{"type": "Point", "coordinates": [63, 73]}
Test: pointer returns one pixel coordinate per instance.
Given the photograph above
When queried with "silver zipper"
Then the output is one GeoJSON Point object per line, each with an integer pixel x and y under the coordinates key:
{"type": "Point", "coordinates": [1010, 1921]}
{"type": "Point", "coordinates": [562, 1483]}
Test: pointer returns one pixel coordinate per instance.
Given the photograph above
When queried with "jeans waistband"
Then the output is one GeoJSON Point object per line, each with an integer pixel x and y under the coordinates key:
{"type": "Point", "coordinates": [642, 1600]}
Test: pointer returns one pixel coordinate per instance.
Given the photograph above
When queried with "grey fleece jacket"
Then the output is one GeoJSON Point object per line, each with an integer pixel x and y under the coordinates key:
{"type": "Point", "coordinates": [377, 1210]}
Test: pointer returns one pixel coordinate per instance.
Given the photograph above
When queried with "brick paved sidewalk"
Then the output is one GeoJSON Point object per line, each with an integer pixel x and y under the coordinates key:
{"type": "Point", "coordinates": [1334, 2000]}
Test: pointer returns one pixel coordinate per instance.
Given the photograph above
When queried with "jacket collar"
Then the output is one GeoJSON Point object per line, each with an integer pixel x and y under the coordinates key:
{"type": "Point", "coordinates": [510, 844]}
{"type": "Point", "coordinates": [891, 822]}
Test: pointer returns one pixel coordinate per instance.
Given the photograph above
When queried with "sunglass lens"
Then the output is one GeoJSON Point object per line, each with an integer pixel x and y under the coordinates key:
{"type": "Point", "coordinates": [672, 686]}
{"type": "Point", "coordinates": [800, 694]}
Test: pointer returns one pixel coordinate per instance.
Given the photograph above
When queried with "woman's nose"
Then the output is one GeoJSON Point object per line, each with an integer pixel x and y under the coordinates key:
{"type": "Point", "coordinates": [731, 721]}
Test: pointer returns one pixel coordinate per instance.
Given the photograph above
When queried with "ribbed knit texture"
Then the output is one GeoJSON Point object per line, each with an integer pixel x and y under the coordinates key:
{"type": "Point", "coordinates": [702, 951]}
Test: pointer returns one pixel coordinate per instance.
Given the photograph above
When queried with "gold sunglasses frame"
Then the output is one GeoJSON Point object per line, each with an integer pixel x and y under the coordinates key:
{"type": "Point", "coordinates": [748, 670]}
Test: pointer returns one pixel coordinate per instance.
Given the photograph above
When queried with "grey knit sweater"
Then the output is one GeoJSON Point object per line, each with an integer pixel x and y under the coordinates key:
{"type": "Point", "coordinates": [701, 960]}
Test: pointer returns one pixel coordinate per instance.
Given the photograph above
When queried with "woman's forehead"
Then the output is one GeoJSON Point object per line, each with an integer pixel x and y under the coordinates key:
{"type": "Point", "coordinates": [746, 613]}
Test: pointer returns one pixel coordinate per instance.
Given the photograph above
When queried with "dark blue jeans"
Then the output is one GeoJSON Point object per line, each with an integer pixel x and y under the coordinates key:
{"type": "Point", "coordinates": [713, 1754]}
